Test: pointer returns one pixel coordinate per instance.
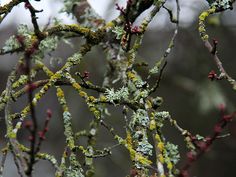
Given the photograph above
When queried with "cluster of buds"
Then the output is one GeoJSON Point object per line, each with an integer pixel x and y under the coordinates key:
{"type": "Point", "coordinates": [41, 134]}
{"type": "Point", "coordinates": [86, 75]}
{"type": "Point", "coordinates": [203, 145]}
{"type": "Point", "coordinates": [121, 9]}
{"type": "Point", "coordinates": [135, 30]}
{"type": "Point", "coordinates": [27, 5]}
{"type": "Point", "coordinates": [212, 75]}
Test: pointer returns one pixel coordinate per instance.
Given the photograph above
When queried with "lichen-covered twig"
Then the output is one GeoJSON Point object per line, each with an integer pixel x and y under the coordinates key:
{"type": "Point", "coordinates": [3, 160]}
{"type": "Point", "coordinates": [210, 48]}
{"type": "Point", "coordinates": [6, 9]}
{"type": "Point", "coordinates": [123, 86]}
{"type": "Point", "coordinates": [11, 135]}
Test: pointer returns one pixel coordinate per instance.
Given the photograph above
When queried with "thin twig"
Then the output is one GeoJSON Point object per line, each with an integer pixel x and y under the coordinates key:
{"type": "Point", "coordinates": [158, 80]}
{"type": "Point", "coordinates": [13, 143]}
{"type": "Point", "coordinates": [4, 156]}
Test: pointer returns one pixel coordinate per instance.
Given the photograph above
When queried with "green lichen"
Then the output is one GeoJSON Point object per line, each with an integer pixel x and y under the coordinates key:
{"type": "Point", "coordinates": [222, 4]}
{"type": "Point", "coordinates": [145, 147]}
{"type": "Point", "coordinates": [11, 44]}
{"type": "Point", "coordinates": [68, 6]}
{"type": "Point", "coordinates": [172, 152]}
{"type": "Point", "coordinates": [11, 134]}
{"type": "Point", "coordinates": [156, 68]}
{"type": "Point", "coordinates": [121, 94]}
{"type": "Point", "coordinates": [123, 86]}
{"type": "Point", "coordinates": [160, 117]}
{"type": "Point", "coordinates": [23, 29]}
{"type": "Point", "coordinates": [202, 18]}
{"type": "Point", "coordinates": [73, 172]}
{"type": "Point", "coordinates": [118, 31]}
{"type": "Point", "coordinates": [49, 44]}
{"type": "Point", "coordinates": [140, 118]}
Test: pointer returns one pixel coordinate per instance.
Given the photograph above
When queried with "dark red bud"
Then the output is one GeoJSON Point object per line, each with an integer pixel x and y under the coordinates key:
{"type": "Point", "coordinates": [28, 124]}
{"type": "Point", "coordinates": [41, 135]}
{"type": "Point", "coordinates": [30, 138]}
{"type": "Point", "coordinates": [184, 173]}
{"type": "Point", "coordinates": [46, 129]}
{"type": "Point", "coordinates": [191, 157]}
{"type": "Point", "coordinates": [49, 113]}
{"type": "Point", "coordinates": [228, 118]}
{"type": "Point", "coordinates": [202, 146]}
{"type": "Point", "coordinates": [212, 75]}
{"type": "Point", "coordinates": [133, 173]}
{"type": "Point", "coordinates": [221, 107]}
{"type": "Point", "coordinates": [215, 41]}
{"type": "Point", "coordinates": [86, 75]}
{"type": "Point", "coordinates": [217, 128]}
{"type": "Point", "coordinates": [129, 2]}
{"type": "Point", "coordinates": [27, 5]}
{"type": "Point", "coordinates": [31, 87]}
{"type": "Point", "coordinates": [207, 139]}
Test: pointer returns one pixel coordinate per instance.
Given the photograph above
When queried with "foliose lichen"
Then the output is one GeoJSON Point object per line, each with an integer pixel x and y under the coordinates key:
{"type": "Point", "coordinates": [121, 94]}
{"type": "Point", "coordinates": [11, 44]}
{"type": "Point", "coordinates": [139, 118]}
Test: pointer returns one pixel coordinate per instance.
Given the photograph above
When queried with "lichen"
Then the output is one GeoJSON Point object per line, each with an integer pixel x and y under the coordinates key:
{"type": "Point", "coordinates": [11, 44]}
{"type": "Point", "coordinates": [119, 32]}
{"type": "Point", "coordinates": [121, 94]}
{"type": "Point", "coordinates": [49, 44]}
{"type": "Point", "coordinates": [139, 118]}
{"type": "Point", "coordinates": [172, 152]}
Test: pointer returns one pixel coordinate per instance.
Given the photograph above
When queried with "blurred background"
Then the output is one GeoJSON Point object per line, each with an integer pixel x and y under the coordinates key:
{"type": "Point", "coordinates": [190, 97]}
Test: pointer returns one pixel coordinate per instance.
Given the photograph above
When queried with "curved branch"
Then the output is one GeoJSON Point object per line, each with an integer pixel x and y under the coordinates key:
{"type": "Point", "coordinates": [6, 9]}
{"type": "Point", "coordinates": [210, 48]}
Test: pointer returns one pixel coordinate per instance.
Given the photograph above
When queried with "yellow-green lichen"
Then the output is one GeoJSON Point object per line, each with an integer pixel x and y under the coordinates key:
{"type": "Point", "coordinates": [76, 86]}
{"type": "Point", "coordinates": [152, 125]}
{"type": "Point", "coordinates": [103, 98]}
{"type": "Point", "coordinates": [83, 94]}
